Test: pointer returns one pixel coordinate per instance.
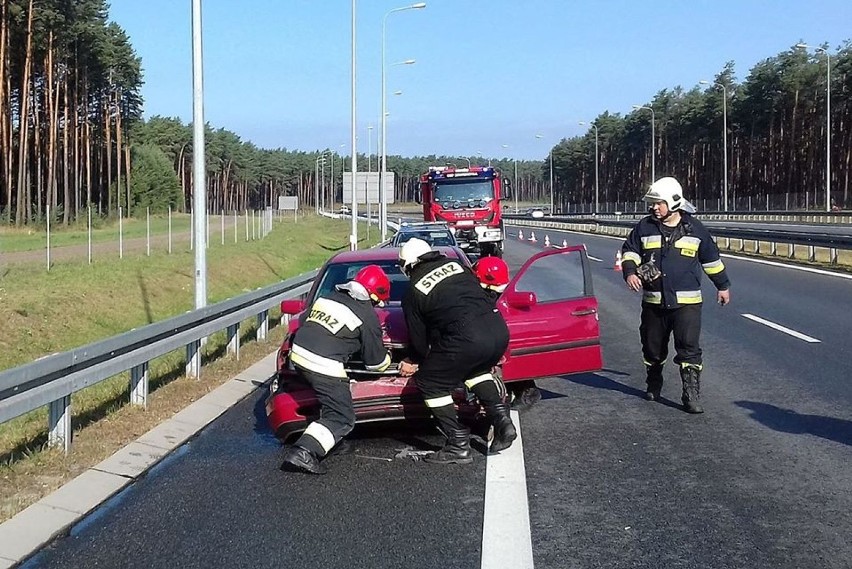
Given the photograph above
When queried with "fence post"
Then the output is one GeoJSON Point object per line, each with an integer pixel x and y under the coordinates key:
{"type": "Point", "coordinates": [193, 359]}
{"type": "Point", "coordinates": [262, 325]}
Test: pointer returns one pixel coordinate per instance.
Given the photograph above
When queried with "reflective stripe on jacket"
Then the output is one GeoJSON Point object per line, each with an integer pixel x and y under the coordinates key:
{"type": "Point", "coordinates": [682, 258]}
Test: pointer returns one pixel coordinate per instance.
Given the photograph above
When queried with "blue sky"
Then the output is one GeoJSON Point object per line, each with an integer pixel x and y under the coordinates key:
{"type": "Point", "coordinates": [488, 72]}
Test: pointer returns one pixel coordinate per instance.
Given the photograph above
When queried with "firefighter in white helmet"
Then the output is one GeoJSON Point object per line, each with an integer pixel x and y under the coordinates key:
{"type": "Point", "coordinates": [664, 257]}
{"type": "Point", "coordinates": [456, 336]}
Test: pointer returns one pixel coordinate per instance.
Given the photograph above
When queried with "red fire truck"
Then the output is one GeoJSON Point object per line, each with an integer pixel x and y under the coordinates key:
{"type": "Point", "coordinates": [468, 200]}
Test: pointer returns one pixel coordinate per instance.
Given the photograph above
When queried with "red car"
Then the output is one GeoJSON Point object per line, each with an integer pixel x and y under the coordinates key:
{"type": "Point", "coordinates": [549, 306]}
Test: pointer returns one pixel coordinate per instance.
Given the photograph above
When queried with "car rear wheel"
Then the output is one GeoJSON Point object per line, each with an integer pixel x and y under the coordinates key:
{"type": "Point", "coordinates": [524, 394]}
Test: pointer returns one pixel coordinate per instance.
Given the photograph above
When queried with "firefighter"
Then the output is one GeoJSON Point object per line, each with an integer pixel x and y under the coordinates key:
{"type": "Point", "coordinates": [456, 336]}
{"type": "Point", "coordinates": [664, 256]}
{"type": "Point", "coordinates": [339, 325]}
{"type": "Point", "coordinates": [493, 275]}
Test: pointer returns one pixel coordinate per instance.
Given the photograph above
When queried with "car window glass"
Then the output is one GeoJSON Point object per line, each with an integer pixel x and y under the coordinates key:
{"type": "Point", "coordinates": [339, 273]}
{"type": "Point", "coordinates": [554, 277]}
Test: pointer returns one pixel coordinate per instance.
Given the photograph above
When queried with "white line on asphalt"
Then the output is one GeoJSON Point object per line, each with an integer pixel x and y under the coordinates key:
{"type": "Point", "coordinates": [781, 328]}
{"type": "Point", "coordinates": [506, 539]}
{"type": "Point", "coordinates": [595, 259]}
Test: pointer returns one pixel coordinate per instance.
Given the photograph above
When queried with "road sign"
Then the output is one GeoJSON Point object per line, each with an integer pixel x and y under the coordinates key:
{"type": "Point", "coordinates": [367, 188]}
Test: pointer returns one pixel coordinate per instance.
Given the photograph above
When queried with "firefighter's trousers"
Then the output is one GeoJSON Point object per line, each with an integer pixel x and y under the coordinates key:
{"type": "Point", "coordinates": [337, 414]}
{"type": "Point", "coordinates": [463, 355]}
{"type": "Point", "coordinates": [659, 324]}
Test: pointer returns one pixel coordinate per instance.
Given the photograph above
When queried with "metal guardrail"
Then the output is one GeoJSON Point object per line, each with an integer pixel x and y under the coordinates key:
{"type": "Point", "coordinates": [834, 217]}
{"type": "Point", "coordinates": [831, 242]}
{"type": "Point", "coordinates": [52, 379]}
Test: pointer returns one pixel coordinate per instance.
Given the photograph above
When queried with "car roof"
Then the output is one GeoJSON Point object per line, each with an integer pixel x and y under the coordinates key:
{"type": "Point", "coordinates": [384, 254]}
{"type": "Point", "coordinates": [420, 227]}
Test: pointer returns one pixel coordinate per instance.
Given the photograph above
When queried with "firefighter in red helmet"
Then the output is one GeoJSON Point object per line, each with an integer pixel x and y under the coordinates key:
{"type": "Point", "coordinates": [338, 325]}
{"type": "Point", "coordinates": [493, 275]}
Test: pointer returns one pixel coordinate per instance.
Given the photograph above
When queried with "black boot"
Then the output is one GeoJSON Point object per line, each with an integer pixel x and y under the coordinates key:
{"type": "Point", "coordinates": [298, 459]}
{"type": "Point", "coordinates": [455, 451]}
{"type": "Point", "coordinates": [653, 381]}
{"type": "Point", "coordinates": [691, 377]}
{"type": "Point", "coordinates": [504, 430]}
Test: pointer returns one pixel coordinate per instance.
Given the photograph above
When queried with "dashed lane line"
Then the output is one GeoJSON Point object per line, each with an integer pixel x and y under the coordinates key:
{"type": "Point", "coordinates": [506, 537]}
{"type": "Point", "coordinates": [781, 328]}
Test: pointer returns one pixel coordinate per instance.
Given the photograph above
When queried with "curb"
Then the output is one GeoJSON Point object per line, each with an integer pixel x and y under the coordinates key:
{"type": "Point", "coordinates": [52, 516]}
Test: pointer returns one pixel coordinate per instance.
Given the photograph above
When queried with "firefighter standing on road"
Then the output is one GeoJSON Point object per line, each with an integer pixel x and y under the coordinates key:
{"type": "Point", "coordinates": [338, 326]}
{"type": "Point", "coordinates": [665, 254]}
{"type": "Point", "coordinates": [456, 337]}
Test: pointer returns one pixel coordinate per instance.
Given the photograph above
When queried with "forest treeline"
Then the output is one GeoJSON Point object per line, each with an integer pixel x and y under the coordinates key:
{"type": "Point", "coordinates": [72, 134]}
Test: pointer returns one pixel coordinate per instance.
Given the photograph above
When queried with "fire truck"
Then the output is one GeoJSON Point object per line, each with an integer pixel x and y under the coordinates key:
{"type": "Point", "coordinates": [468, 200]}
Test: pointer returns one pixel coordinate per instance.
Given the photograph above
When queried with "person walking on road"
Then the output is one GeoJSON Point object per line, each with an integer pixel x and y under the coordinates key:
{"type": "Point", "coordinates": [456, 336]}
{"type": "Point", "coordinates": [664, 256]}
{"type": "Point", "coordinates": [337, 326]}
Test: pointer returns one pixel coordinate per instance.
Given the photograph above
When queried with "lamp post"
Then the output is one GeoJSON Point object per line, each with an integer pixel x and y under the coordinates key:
{"type": "Point", "coordinates": [382, 200]}
{"type": "Point", "coordinates": [827, 121]}
{"type": "Point", "coordinates": [515, 181]}
{"type": "Point", "coordinates": [550, 160]}
{"type": "Point", "coordinates": [318, 178]}
{"type": "Point", "coordinates": [597, 163]}
{"type": "Point", "coordinates": [199, 199]}
{"type": "Point", "coordinates": [724, 141]}
{"type": "Point", "coordinates": [653, 140]}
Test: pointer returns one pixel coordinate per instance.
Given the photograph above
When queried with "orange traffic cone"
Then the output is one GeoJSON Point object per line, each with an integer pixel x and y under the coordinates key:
{"type": "Point", "coordinates": [546, 241]}
{"type": "Point", "coordinates": [564, 243]}
{"type": "Point", "coordinates": [532, 237]}
{"type": "Point", "coordinates": [617, 261]}
{"type": "Point", "coordinates": [521, 234]}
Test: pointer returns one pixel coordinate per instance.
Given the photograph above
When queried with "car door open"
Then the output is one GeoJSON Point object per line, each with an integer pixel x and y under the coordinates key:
{"type": "Point", "coordinates": [552, 314]}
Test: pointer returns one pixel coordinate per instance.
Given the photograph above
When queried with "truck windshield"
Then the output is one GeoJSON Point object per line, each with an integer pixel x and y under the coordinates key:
{"type": "Point", "coordinates": [464, 192]}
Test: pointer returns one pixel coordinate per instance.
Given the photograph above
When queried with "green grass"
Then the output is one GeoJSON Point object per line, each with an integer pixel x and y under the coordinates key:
{"type": "Point", "coordinates": [75, 303]}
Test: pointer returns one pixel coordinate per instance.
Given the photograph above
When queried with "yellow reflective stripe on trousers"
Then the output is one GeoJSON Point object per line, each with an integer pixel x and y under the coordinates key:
{"type": "Point", "coordinates": [321, 434]}
{"type": "Point", "coordinates": [713, 267]}
{"type": "Point", "coordinates": [439, 401]}
{"type": "Point", "coordinates": [316, 363]}
{"type": "Point", "coordinates": [631, 256]}
{"type": "Point", "coordinates": [688, 296]}
{"type": "Point", "coordinates": [684, 365]}
{"type": "Point", "coordinates": [478, 379]}
{"type": "Point", "coordinates": [651, 297]}
{"type": "Point", "coordinates": [652, 242]}
{"type": "Point", "coordinates": [649, 364]}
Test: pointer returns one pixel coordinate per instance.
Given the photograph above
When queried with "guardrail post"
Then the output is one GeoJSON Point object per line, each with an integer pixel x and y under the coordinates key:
{"type": "Point", "coordinates": [773, 248]}
{"type": "Point", "coordinates": [756, 246]}
{"type": "Point", "coordinates": [193, 359]}
{"type": "Point", "coordinates": [262, 325]}
{"type": "Point", "coordinates": [832, 255]}
{"type": "Point", "coordinates": [811, 253]}
{"type": "Point", "coordinates": [59, 423]}
{"type": "Point", "coordinates": [791, 250]}
{"type": "Point", "coordinates": [234, 340]}
{"type": "Point", "coordinates": [139, 385]}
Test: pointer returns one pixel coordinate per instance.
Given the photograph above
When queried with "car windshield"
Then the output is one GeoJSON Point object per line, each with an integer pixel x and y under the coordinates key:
{"type": "Point", "coordinates": [464, 191]}
{"type": "Point", "coordinates": [339, 273]}
{"type": "Point", "coordinates": [434, 238]}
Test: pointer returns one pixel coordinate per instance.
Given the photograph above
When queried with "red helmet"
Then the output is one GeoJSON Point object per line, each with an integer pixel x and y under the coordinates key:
{"type": "Point", "coordinates": [374, 279]}
{"type": "Point", "coordinates": [492, 271]}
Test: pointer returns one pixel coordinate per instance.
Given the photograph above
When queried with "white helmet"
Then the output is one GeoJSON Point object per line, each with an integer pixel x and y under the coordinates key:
{"type": "Point", "coordinates": [666, 190]}
{"type": "Point", "coordinates": [410, 253]}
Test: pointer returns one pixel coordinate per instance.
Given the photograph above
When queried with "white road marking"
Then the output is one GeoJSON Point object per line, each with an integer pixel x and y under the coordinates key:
{"type": "Point", "coordinates": [506, 538]}
{"type": "Point", "coordinates": [595, 259]}
{"type": "Point", "coordinates": [781, 328]}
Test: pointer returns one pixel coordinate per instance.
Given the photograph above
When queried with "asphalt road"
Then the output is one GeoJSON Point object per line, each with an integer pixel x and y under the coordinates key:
{"type": "Point", "coordinates": [761, 480]}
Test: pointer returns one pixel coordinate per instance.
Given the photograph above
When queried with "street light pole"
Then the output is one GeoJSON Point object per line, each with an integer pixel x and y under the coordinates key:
{"type": "Point", "coordinates": [550, 160]}
{"type": "Point", "coordinates": [653, 141]}
{"type": "Point", "coordinates": [724, 140]}
{"type": "Point", "coordinates": [597, 164]}
{"type": "Point", "coordinates": [382, 176]}
{"type": "Point", "coordinates": [827, 121]}
{"type": "Point", "coordinates": [199, 199]}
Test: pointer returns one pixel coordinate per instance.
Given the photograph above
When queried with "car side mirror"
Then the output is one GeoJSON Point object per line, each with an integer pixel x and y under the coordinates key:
{"type": "Point", "coordinates": [506, 194]}
{"type": "Point", "coordinates": [521, 300]}
{"type": "Point", "coordinates": [292, 307]}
